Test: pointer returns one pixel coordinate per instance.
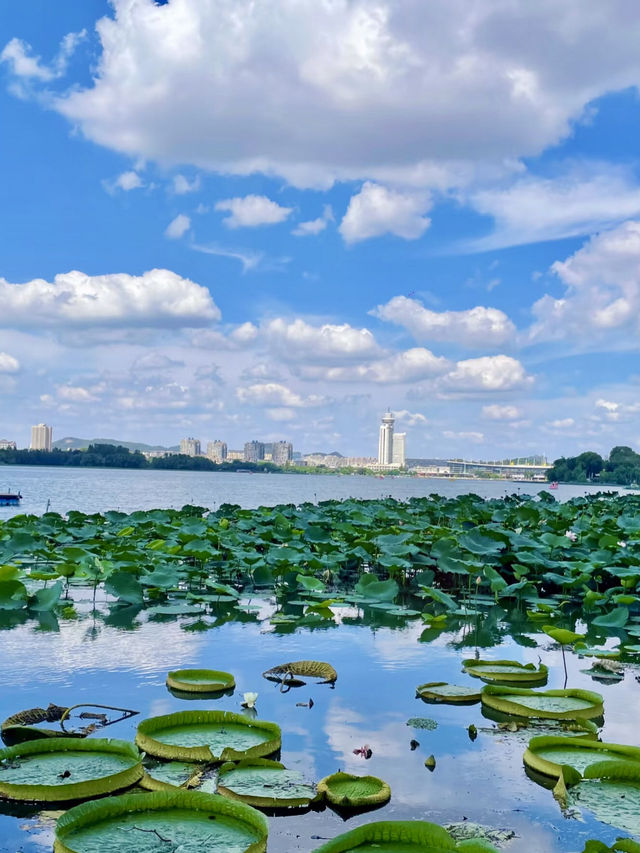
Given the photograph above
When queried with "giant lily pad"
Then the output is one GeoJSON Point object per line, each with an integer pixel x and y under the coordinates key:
{"type": "Point", "coordinates": [509, 671]}
{"type": "Point", "coordinates": [189, 821]}
{"type": "Point", "coordinates": [311, 668]}
{"type": "Point", "coordinates": [612, 795]}
{"type": "Point", "coordinates": [401, 836]}
{"type": "Point", "coordinates": [550, 756]}
{"type": "Point", "coordinates": [265, 784]}
{"type": "Point", "coordinates": [207, 736]}
{"type": "Point", "coordinates": [354, 792]}
{"type": "Point", "coordinates": [63, 769]}
{"type": "Point", "coordinates": [169, 775]}
{"type": "Point", "coordinates": [440, 691]}
{"type": "Point", "coordinates": [570, 704]}
{"type": "Point", "coordinates": [200, 680]}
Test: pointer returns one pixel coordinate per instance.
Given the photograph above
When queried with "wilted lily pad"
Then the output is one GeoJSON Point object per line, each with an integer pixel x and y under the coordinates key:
{"type": "Point", "coordinates": [422, 723]}
{"type": "Point", "coordinates": [354, 792]}
{"type": "Point", "coordinates": [401, 836]}
{"type": "Point", "coordinates": [550, 756]}
{"type": "Point", "coordinates": [207, 736]}
{"type": "Point", "coordinates": [311, 668]}
{"type": "Point", "coordinates": [441, 691]}
{"type": "Point", "coordinates": [191, 821]}
{"type": "Point", "coordinates": [506, 671]}
{"type": "Point", "coordinates": [63, 769]}
{"type": "Point", "coordinates": [265, 784]}
{"type": "Point", "coordinates": [200, 680]}
{"type": "Point", "coordinates": [570, 704]}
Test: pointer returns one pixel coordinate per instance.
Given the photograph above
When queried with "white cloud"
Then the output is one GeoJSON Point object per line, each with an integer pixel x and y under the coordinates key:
{"type": "Point", "coordinates": [300, 341]}
{"type": "Point", "coordinates": [355, 90]}
{"type": "Point", "coordinates": [410, 418]}
{"type": "Point", "coordinates": [562, 423]}
{"type": "Point", "coordinates": [17, 54]}
{"type": "Point", "coordinates": [412, 365]}
{"type": "Point", "coordinates": [249, 258]}
{"type": "Point", "coordinates": [75, 394]}
{"type": "Point", "coordinates": [182, 185]}
{"type": "Point", "coordinates": [487, 373]}
{"type": "Point", "coordinates": [496, 412]}
{"type": "Point", "coordinates": [535, 209]}
{"type": "Point", "coordinates": [8, 364]}
{"type": "Point", "coordinates": [178, 227]}
{"type": "Point", "coordinates": [157, 298]}
{"type": "Point", "coordinates": [244, 334]}
{"type": "Point", "coordinates": [601, 303]}
{"type": "Point", "coordinates": [276, 395]}
{"type": "Point", "coordinates": [475, 437]}
{"type": "Point", "coordinates": [252, 211]}
{"type": "Point", "coordinates": [376, 210]}
{"type": "Point", "coordinates": [314, 226]}
{"type": "Point", "coordinates": [475, 327]}
{"type": "Point", "coordinates": [615, 412]}
{"type": "Point", "coordinates": [129, 181]}
{"type": "Point", "coordinates": [281, 414]}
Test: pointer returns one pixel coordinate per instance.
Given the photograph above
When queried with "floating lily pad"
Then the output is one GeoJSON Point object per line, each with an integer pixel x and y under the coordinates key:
{"type": "Point", "coordinates": [190, 821]}
{"type": "Point", "coordinates": [265, 784]}
{"type": "Point", "coordinates": [200, 680]}
{"type": "Point", "coordinates": [63, 769]}
{"type": "Point", "coordinates": [169, 775]}
{"type": "Point", "coordinates": [441, 691]}
{"type": "Point", "coordinates": [207, 736]}
{"type": "Point", "coordinates": [422, 723]}
{"type": "Point", "coordinates": [571, 704]}
{"type": "Point", "coordinates": [401, 836]}
{"type": "Point", "coordinates": [551, 755]}
{"type": "Point", "coordinates": [354, 792]}
{"type": "Point", "coordinates": [612, 800]}
{"type": "Point", "coordinates": [311, 668]}
{"type": "Point", "coordinates": [506, 671]}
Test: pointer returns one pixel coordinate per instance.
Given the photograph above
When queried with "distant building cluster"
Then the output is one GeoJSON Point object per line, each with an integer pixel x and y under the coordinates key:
{"type": "Point", "coordinates": [5, 444]}
{"type": "Point", "coordinates": [278, 452]}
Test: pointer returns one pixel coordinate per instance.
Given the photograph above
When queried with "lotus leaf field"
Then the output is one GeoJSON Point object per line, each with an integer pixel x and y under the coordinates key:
{"type": "Point", "coordinates": [281, 658]}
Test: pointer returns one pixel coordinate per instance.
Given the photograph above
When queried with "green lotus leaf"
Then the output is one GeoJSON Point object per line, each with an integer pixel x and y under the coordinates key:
{"type": "Point", "coordinates": [207, 736]}
{"type": "Point", "coordinates": [200, 680]}
{"type": "Point", "coordinates": [310, 668]}
{"type": "Point", "coordinates": [422, 723]}
{"type": "Point", "coordinates": [191, 821]}
{"type": "Point", "coordinates": [547, 755]}
{"type": "Point", "coordinates": [13, 595]}
{"type": "Point", "coordinates": [611, 801]}
{"type": "Point", "coordinates": [265, 784]}
{"type": "Point", "coordinates": [441, 691]}
{"type": "Point", "coordinates": [169, 775]}
{"type": "Point", "coordinates": [568, 704]}
{"type": "Point", "coordinates": [63, 769]}
{"type": "Point", "coordinates": [377, 590]}
{"type": "Point", "coordinates": [46, 599]}
{"type": "Point", "coordinates": [617, 618]}
{"type": "Point", "coordinates": [562, 635]}
{"type": "Point", "coordinates": [402, 836]}
{"type": "Point", "coordinates": [354, 792]}
{"type": "Point", "coordinates": [509, 671]}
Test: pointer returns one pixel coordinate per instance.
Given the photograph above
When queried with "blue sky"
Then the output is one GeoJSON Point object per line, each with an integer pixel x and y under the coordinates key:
{"type": "Point", "coordinates": [272, 220]}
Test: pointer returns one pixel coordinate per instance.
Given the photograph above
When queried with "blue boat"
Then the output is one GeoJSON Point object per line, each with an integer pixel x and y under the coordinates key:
{"type": "Point", "coordinates": [10, 499]}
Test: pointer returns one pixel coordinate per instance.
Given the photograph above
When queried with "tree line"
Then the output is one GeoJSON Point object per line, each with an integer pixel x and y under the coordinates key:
{"type": "Point", "coordinates": [621, 468]}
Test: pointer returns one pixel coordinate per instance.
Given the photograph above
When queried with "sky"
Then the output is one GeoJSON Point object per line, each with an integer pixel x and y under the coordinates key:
{"type": "Point", "coordinates": [273, 219]}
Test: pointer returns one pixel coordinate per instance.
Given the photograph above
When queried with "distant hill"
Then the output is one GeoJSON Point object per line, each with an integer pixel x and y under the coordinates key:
{"type": "Point", "coordinates": [71, 443]}
{"type": "Point", "coordinates": [320, 453]}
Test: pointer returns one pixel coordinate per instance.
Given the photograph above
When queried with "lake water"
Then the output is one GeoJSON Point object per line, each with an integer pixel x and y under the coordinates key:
{"type": "Point", "coordinates": [102, 489]}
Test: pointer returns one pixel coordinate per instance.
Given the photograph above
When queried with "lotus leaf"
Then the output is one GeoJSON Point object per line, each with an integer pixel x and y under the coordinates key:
{"type": "Point", "coordinates": [207, 736]}
{"type": "Point", "coordinates": [506, 671]}
{"type": "Point", "coordinates": [354, 792]}
{"type": "Point", "coordinates": [200, 680]}
{"type": "Point", "coordinates": [264, 784]}
{"type": "Point", "coordinates": [310, 668]}
{"type": "Point", "coordinates": [571, 704]}
{"type": "Point", "coordinates": [191, 821]}
{"type": "Point", "coordinates": [441, 691]}
{"type": "Point", "coordinates": [63, 769]}
{"type": "Point", "coordinates": [549, 755]}
{"type": "Point", "coordinates": [422, 723]}
{"type": "Point", "coordinates": [169, 775]}
{"type": "Point", "coordinates": [402, 836]}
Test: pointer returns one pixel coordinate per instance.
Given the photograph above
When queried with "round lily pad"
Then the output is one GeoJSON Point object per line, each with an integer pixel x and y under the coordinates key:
{"type": "Point", "coordinates": [200, 680]}
{"type": "Point", "coordinates": [63, 769]}
{"type": "Point", "coordinates": [400, 836]}
{"type": "Point", "coordinates": [613, 800]}
{"type": "Point", "coordinates": [207, 736]}
{"type": "Point", "coordinates": [509, 671]}
{"type": "Point", "coordinates": [169, 775]}
{"type": "Point", "coordinates": [265, 784]}
{"type": "Point", "coordinates": [190, 821]}
{"type": "Point", "coordinates": [570, 704]}
{"type": "Point", "coordinates": [354, 792]}
{"type": "Point", "coordinates": [441, 691]}
{"type": "Point", "coordinates": [550, 755]}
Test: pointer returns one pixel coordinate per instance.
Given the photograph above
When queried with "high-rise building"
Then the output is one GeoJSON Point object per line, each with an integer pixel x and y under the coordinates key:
{"type": "Point", "coordinates": [253, 451]}
{"type": "Point", "coordinates": [385, 443]}
{"type": "Point", "coordinates": [190, 446]}
{"type": "Point", "coordinates": [217, 451]}
{"type": "Point", "coordinates": [41, 437]}
{"type": "Point", "coordinates": [281, 452]}
{"type": "Point", "coordinates": [399, 448]}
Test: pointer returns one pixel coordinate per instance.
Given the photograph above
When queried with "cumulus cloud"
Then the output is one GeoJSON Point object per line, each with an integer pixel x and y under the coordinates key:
{"type": "Point", "coordinates": [410, 418]}
{"type": "Point", "coordinates": [129, 181]}
{"type": "Point", "coordinates": [8, 364]}
{"type": "Point", "coordinates": [601, 303]}
{"type": "Point", "coordinates": [182, 185]}
{"type": "Point", "coordinates": [409, 366]}
{"type": "Point", "coordinates": [157, 298]}
{"type": "Point", "coordinates": [487, 373]}
{"type": "Point", "coordinates": [252, 211]}
{"type": "Point", "coordinates": [76, 394]}
{"type": "Point", "coordinates": [376, 210]}
{"type": "Point", "coordinates": [298, 341]}
{"type": "Point", "coordinates": [496, 412]}
{"type": "Point", "coordinates": [317, 91]}
{"type": "Point", "coordinates": [475, 437]}
{"type": "Point", "coordinates": [276, 395]}
{"type": "Point", "coordinates": [615, 412]}
{"type": "Point", "coordinates": [314, 226]}
{"type": "Point", "coordinates": [476, 327]}
{"type": "Point", "coordinates": [18, 55]}
{"type": "Point", "coordinates": [562, 423]}
{"type": "Point", "coordinates": [178, 227]}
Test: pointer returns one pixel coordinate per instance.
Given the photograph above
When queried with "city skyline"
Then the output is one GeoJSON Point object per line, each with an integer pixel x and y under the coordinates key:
{"type": "Point", "coordinates": [469, 258]}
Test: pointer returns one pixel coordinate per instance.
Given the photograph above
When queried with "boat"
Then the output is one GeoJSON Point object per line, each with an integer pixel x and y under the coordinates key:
{"type": "Point", "coordinates": [554, 485]}
{"type": "Point", "coordinates": [10, 498]}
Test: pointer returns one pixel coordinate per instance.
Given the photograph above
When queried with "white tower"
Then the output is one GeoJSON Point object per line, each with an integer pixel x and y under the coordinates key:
{"type": "Point", "coordinates": [41, 437]}
{"type": "Point", "coordinates": [385, 444]}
